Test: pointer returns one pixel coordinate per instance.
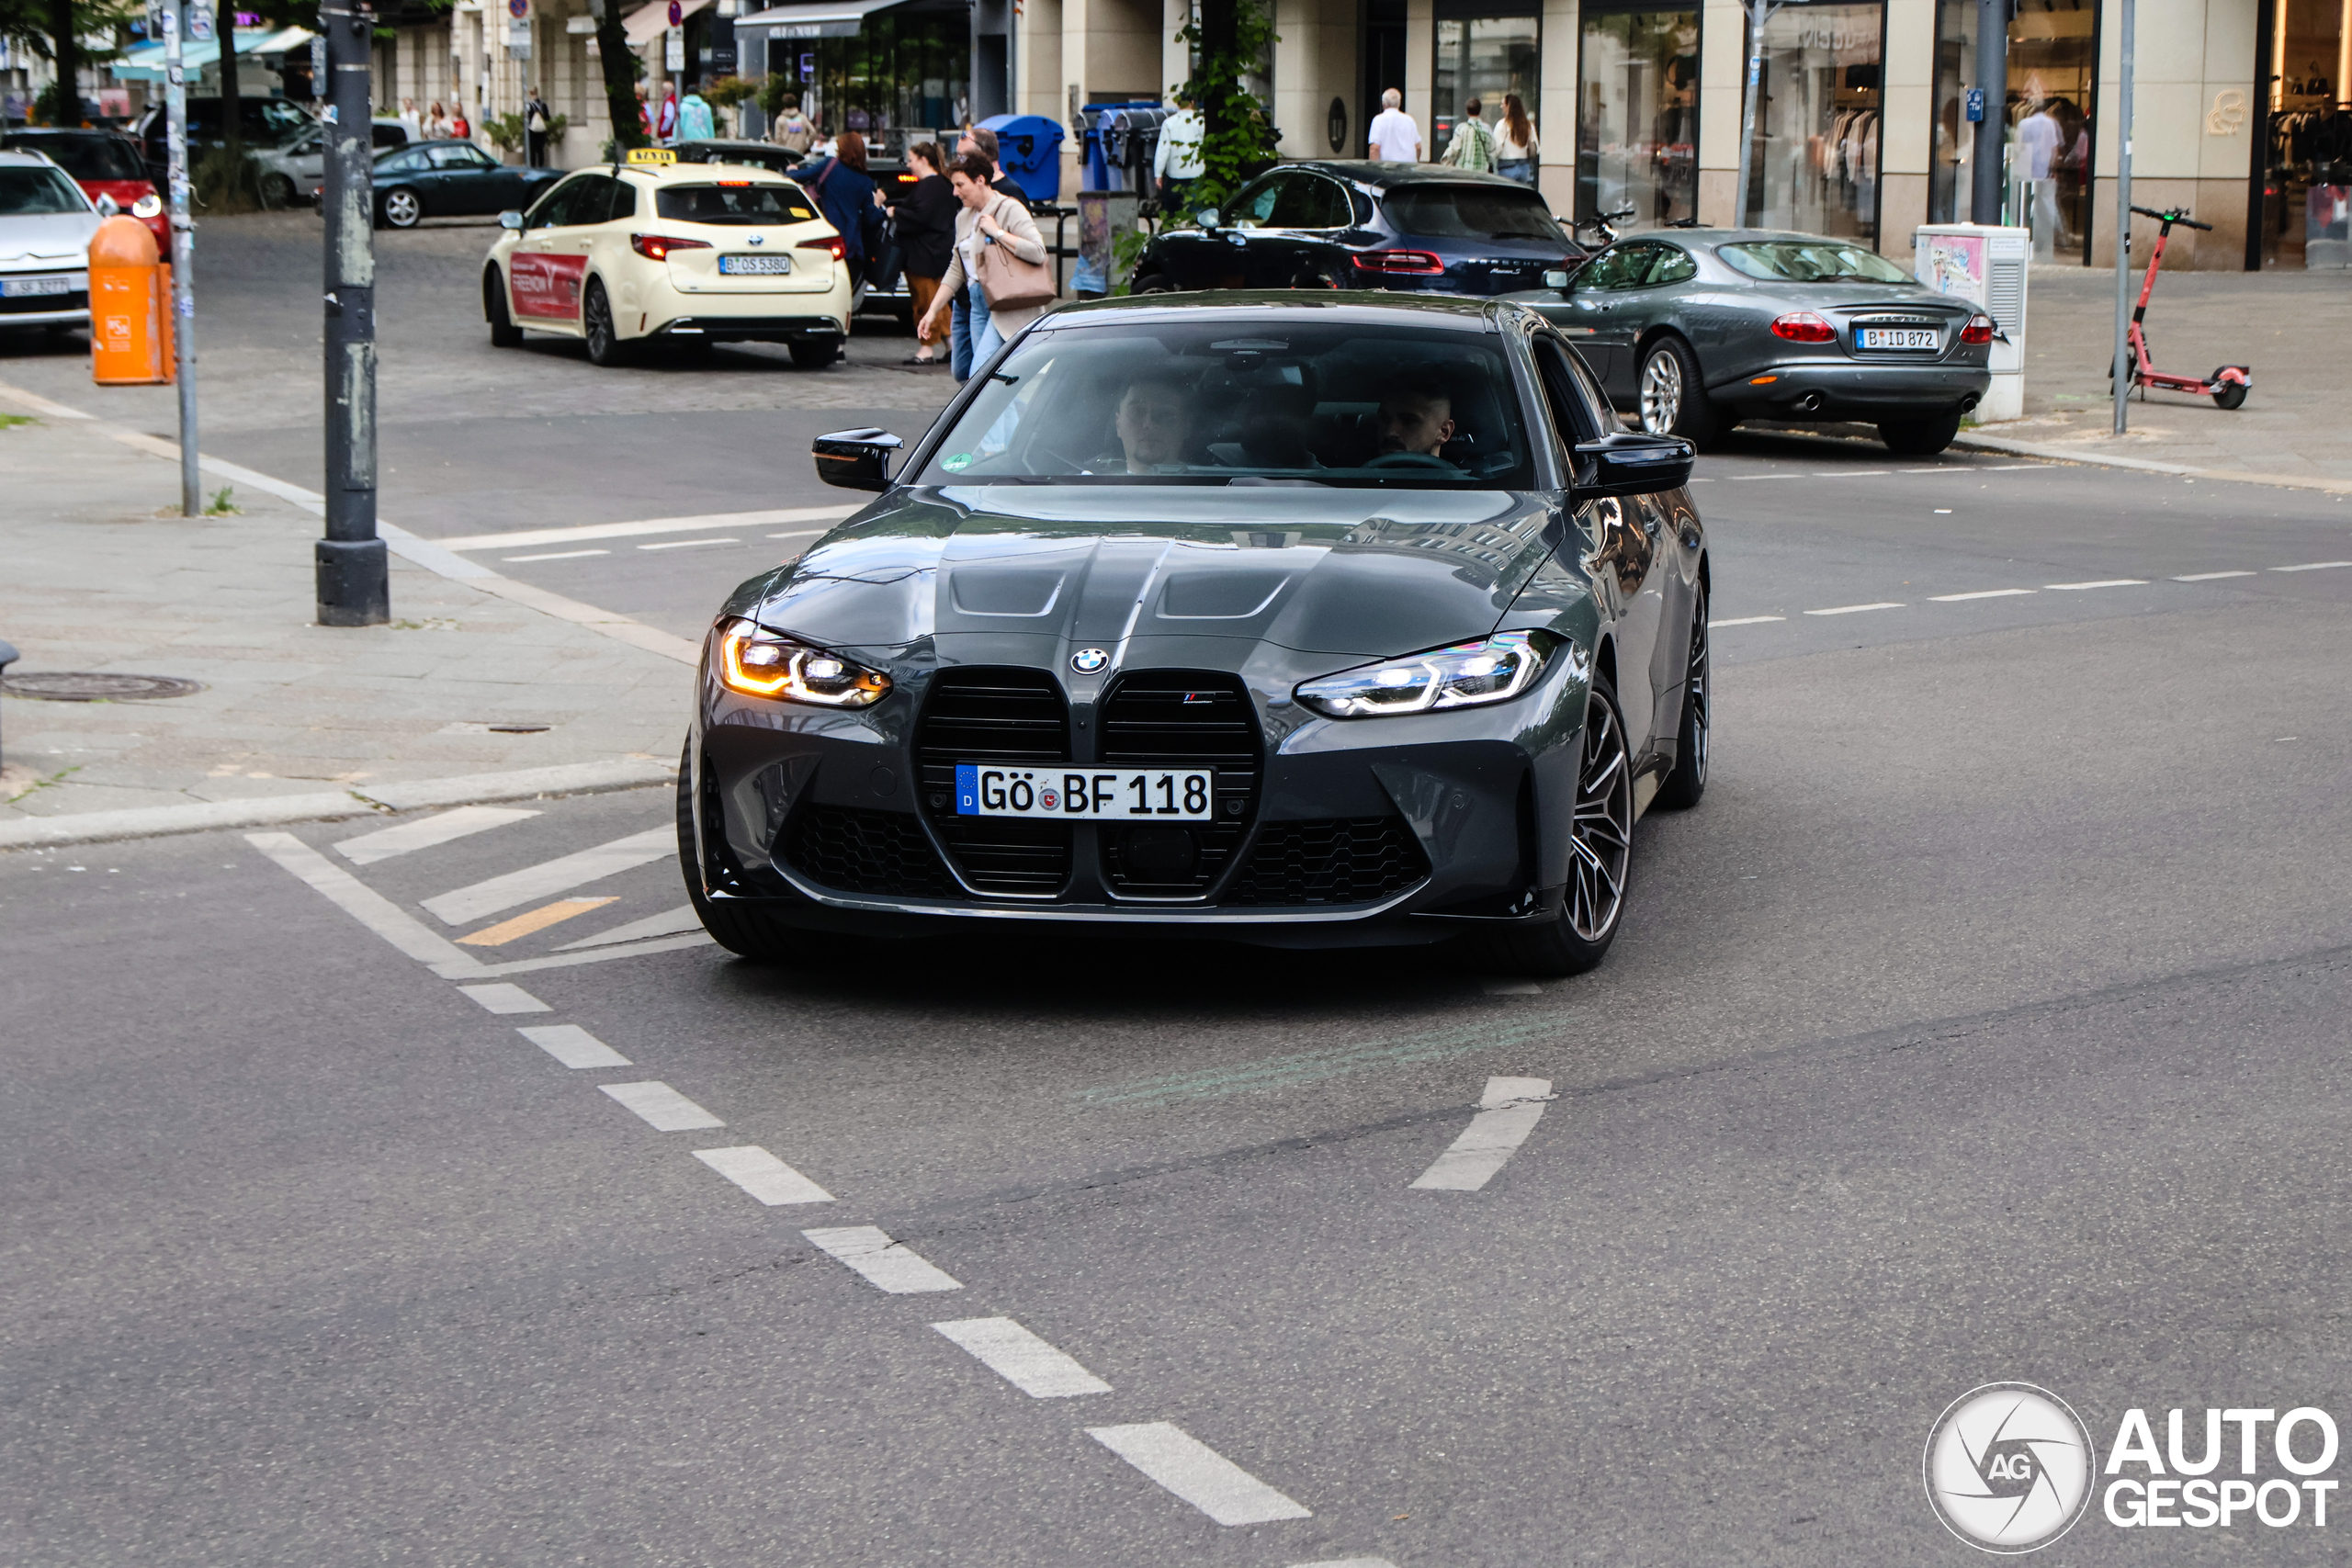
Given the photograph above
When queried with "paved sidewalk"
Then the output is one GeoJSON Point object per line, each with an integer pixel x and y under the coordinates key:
{"type": "Point", "coordinates": [292, 713]}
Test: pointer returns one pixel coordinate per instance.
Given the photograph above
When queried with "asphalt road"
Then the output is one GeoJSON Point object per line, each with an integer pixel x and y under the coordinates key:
{"type": "Point", "coordinates": [1984, 1023]}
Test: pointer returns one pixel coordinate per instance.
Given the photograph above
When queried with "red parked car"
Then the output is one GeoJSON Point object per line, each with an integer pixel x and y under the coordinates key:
{"type": "Point", "coordinates": [103, 163]}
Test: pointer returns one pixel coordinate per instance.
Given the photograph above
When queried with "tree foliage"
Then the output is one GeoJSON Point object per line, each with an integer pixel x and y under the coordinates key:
{"type": "Point", "coordinates": [1230, 40]}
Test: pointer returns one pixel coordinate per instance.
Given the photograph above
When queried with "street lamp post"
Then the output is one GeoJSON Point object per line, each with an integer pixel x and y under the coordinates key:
{"type": "Point", "coordinates": [182, 303]}
{"type": "Point", "coordinates": [1992, 131]}
{"type": "Point", "coordinates": [353, 575]}
{"type": "Point", "coordinates": [2123, 224]}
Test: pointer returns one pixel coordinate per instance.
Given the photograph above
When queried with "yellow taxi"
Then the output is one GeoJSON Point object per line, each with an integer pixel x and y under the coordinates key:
{"type": "Point", "coordinates": [654, 250]}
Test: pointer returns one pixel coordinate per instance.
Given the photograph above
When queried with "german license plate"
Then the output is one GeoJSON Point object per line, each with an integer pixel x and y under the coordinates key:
{"type": "Point", "coordinates": [22, 287]}
{"type": "Point", "coordinates": [1109, 794]}
{"type": "Point", "coordinates": [739, 266]}
{"type": "Point", "coordinates": [1899, 337]}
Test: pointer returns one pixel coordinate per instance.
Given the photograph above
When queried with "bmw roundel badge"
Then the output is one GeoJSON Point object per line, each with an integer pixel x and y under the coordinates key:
{"type": "Point", "coordinates": [756, 239]}
{"type": "Point", "coordinates": [1088, 661]}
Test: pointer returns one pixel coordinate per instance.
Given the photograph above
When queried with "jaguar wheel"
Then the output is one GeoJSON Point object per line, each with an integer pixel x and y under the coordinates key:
{"type": "Point", "coordinates": [504, 332]}
{"type": "Point", "coordinates": [1919, 437]}
{"type": "Point", "coordinates": [605, 346]}
{"type": "Point", "coordinates": [1687, 782]}
{"type": "Point", "coordinates": [400, 208]}
{"type": "Point", "coordinates": [1674, 399]}
{"type": "Point", "coordinates": [1600, 847]}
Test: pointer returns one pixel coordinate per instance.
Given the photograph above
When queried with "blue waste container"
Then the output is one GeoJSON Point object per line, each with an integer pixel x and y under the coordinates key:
{"type": "Point", "coordinates": [1101, 164]}
{"type": "Point", "coordinates": [1029, 148]}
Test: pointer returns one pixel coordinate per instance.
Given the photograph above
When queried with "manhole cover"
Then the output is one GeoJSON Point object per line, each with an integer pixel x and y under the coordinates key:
{"type": "Point", "coordinates": [83, 686]}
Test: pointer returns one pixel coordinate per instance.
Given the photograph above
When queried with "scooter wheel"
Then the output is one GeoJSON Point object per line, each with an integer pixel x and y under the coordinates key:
{"type": "Point", "coordinates": [2227, 394]}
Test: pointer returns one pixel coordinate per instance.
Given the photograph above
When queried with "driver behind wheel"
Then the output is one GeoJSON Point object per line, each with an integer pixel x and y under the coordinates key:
{"type": "Point", "coordinates": [1414, 416]}
{"type": "Point", "coordinates": [1154, 425]}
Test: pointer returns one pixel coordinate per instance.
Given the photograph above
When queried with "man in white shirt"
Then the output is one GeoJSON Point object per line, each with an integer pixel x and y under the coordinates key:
{"type": "Point", "coordinates": [1394, 138]}
{"type": "Point", "coordinates": [1177, 162]}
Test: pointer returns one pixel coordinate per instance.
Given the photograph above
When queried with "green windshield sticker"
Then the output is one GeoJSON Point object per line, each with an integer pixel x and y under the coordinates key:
{"type": "Point", "coordinates": [957, 463]}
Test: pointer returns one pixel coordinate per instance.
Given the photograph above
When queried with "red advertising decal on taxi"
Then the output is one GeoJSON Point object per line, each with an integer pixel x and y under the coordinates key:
{"type": "Point", "coordinates": [548, 285]}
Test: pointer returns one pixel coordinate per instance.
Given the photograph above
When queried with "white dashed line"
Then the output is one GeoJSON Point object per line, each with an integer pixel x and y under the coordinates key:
{"type": "Point", "coordinates": [1348, 1562]}
{"type": "Point", "coordinates": [550, 877]}
{"type": "Point", "coordinates": [1023, 1360]}
{"type": "Point", "coordinates": [671, 923]}
{"type": "Point", "coordinates": [1198, 1473]}
{"type": "Point", "coordinates": [885, 1264]}
{"type": "Point", "coordinates": [530, 536]}
{"type": "Point", "coordinates": [1980, 594]}
{"type": "Point", "coordinates": [1855, 609]}
{"type": "Point", "coordinates": [2313, 565]}
{"type": "Point", "coordinates": [573, 1046]}
{"type": "Point", "coordinates": [1850, 474]}
{"type": "Point", "coordinates": [445, 827]}
{"type": "Point", "coordinates": [763, 1176]}
{"type": "Point", "coordinates": [1506, 1114]}
{"type": "Point", "coordinates": [2211, 576]}
{"type": "Point", "coordinates": [2102, 582]}
{"type": "Point", "coordinates": [687, 544]}
{"type": "Point", "coordinates": [369, 908]}
{"type": "Point", "coordinates": [800, 534]}
{"type": "Point", "coordinates": [664, 1108]}
{"type": "Point", "coordinates": [558, 555]}
{"type": "Point", "coordinates": [1746, 621]}
{"type": "Point", "coordinates": [2005, 467]}
{"type": "Point", "coordinates": [502, 997]}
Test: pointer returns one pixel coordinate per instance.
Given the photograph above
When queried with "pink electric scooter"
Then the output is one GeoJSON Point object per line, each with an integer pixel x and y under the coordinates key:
{"type": "Point", "coordinates": [2227, 386]}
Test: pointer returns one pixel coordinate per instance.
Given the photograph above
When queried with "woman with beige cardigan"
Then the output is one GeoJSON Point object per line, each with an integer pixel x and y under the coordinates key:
{"type": "Point", "coordinates": [988, 217]}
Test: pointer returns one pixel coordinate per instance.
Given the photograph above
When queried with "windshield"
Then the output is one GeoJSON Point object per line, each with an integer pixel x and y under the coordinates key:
{"type": "Point", "coordinates": [90, 157]}
{"type": "Point", "coordinates": [1220, 402]}
{"type": "Point", "coordinates": [1471, 213]}
{"type": "Point", "coordinates": [738, 202]}
{"type": "Point", "coordinates": [27, 192]}
{"type": "Point", "coordinates": [1811, 261]}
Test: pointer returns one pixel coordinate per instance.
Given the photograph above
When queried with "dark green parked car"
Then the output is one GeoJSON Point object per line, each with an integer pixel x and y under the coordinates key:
{"type": "Point", "coordinates": [451, 180]}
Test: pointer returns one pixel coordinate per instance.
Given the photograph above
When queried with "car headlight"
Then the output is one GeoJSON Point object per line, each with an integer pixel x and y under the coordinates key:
{"type": "Point", "coordinates": [759, 664]}
{"type": "Point", "coordinates": [147, 206]}
{"type": "Point", "coordinates": [1465, 676]}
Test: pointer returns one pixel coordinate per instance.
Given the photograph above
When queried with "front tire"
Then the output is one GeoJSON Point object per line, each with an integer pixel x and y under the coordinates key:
{"type": "Point", "coordinates": [277, 191]}
{"type": "Point", "coordinates": [814, 356]}
{"type": "Point", "coordinates": [1151, 283]}
{"type": "Point", "coordinates": [400, 208]}
{"type": "Point", "coordinates": [504, 332]}
{"type": "Point", "coordinates": [1687, 782]}
{"type": "Point", "coordinates": [2229, 394]}
{"type": "Point", "coordinates": [605, 349]}
{"type": "Point", "coordinates": [1674, 399]}
{"type": "Point", "coordinates": [1600, 853]}
{"type": "Point", "coordinates": [1919, 437]}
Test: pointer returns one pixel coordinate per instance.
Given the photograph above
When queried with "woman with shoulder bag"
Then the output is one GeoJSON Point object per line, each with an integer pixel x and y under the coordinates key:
{"type": "Point", "coordinates": [999, 254]}
{"type": "Point", "coordinates": [925, 222]}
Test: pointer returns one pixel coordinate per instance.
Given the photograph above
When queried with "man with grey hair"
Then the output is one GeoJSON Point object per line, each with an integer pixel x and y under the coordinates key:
{"type": "Point", "coordinates": [1395, 139]}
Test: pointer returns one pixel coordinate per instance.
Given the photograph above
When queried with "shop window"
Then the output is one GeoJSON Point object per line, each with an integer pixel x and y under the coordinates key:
{"type": "Point", "coordinates": [1816, 152]}
{"type": "Point", "coordinates": [1637, 115]}
{"type": "Point", "coordinates": [2308, 163]}
{"type": "Point", "coordinates": [1484, 57]}
{"type": "Point", "coordinates": [900, 74]}
{"type": "Point", "coordinates": [2046, 109]}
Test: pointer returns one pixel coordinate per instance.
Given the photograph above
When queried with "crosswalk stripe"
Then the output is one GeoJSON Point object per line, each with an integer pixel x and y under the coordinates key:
{"type": "Point", "coordinates": [670, 922]}
{"type": "Point", "coordinates": [550, 877]}
{"type": "Point", "coordinates": [443, 827]}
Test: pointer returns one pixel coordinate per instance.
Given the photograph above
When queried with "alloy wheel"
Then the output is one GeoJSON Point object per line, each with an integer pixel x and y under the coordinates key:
{"type": "Point", "coordinates": [401, 210]}
{"type": "Point", "coordinates": [1600, 843]}
{"type": "Point", "coordinates": [598, 311]}
{"type": "Point", "coordinates": [1661, 392]}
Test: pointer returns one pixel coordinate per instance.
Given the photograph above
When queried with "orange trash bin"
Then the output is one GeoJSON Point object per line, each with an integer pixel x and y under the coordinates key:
{"type": "Point", "coordinates": [130, 306]}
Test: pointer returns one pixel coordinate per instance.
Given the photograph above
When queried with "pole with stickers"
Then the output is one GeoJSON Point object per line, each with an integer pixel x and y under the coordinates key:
{"type": "Point", "coordinates": [353, 575]}
{"type": "Point", "coordinates": [183, 336]}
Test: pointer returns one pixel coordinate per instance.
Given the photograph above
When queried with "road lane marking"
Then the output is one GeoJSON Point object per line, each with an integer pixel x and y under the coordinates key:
{"type": "Point", "coordinates": [600, 954]}
{"type": "Point", "coordinates": [800, 534]}
{"type": "Point", "coordinates": [369, 908]}
{"type": "Point", "coordinates": [558, 555]}
{"type": "Point", "coordinates": [885, 1264]}
{"type": "Point", "coordinates": [2313, 565]}
{"type": "Point", "coordinates": [550, 877]}
{"type": "Point", "coordinates": [1980, 594]}
{"type": "Point", "coordinates": [1023, 1360]}
{"type": "Point", "coordinates": [664, 1108]}
{"type": "Point", "coordinates": [1196, 1472]}
{"type": "Point", "coordinates": [537, 920]}
{"type": "Point", "coordinates": [1746, 621]}
{"type": "Point", "coordinates": [1506, 1114]}
{"type": "Point", "coordinates": [573, 1046]}
{"type": "Point", "coordinates": [2006, 467]}
{"type": "Point", "coordinates": [2102, 582]}
{"type": "Point", "coordinates": [1850, 474]}
{"type": "Point", "coordinates": [687, 544]}
{"type": "Point", "coordinates": [763, 1176]}
{"type": "Point", "coordinates": [444, 828]}
{"type": "Point", "coordinates": [1510, 988]}
{"type": "Point", "coordinates": [1348, 1562]}
{"type": "Point", "coordinates": [525, 539]}
{"type": "Point", "coordinates": [1855, 609]}
{"type": "Point", "coordinates": [2211, 576]}
{"type": "Point", "coordinates": [503, 998]}
{"type": "Point", "coordinates": [672, 922]}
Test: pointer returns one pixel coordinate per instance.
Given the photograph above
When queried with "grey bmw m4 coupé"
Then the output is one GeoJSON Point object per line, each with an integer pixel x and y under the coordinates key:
{"type": "Point", "coordinates": [1308, 622]}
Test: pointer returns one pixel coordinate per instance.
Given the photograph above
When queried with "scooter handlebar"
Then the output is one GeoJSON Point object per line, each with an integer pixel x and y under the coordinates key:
{"type": "Point", "coordinates": [2180, 217]}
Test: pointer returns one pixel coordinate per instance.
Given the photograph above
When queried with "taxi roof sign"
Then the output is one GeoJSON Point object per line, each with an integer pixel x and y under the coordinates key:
{"type": "Point", "coordinates": [652, 156]}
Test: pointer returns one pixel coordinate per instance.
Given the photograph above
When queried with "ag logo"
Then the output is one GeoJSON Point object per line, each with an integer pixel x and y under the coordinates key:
{"type": "Point", "coordinates": [2008, 1467]}
{"type": "Point", "coordinates": [1088, 661]}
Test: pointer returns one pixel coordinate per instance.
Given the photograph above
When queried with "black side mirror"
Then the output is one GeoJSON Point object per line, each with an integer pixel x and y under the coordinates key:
{"type": "Point", "coordinates": [1631, 462]}
{"type": "Point", "coordinates": [860, 460]}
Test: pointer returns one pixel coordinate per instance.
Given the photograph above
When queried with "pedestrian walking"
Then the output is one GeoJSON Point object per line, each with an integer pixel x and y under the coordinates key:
{"type": "Point", "coordinates": [411, 122]}
{"type": "Point", "coordinates": [458, 126]}
{"type": "Point", "coordinates": [1473, 147]}
{"type": "Point", "coordinates": [1177, 162]}
{"type": "Point", "coordinates": [925, 221]}
{"type": "Point", "coordinates": [991, 222]}
{"type": "Point", "coordinates": [1393, 135]}
{"type": "Point", "coordinates": [1515, 144]}
{"type": "Point", "coordinates": [851, 202]}
{"type": "Point", "coordinates": [665, 129]}
{"type": "Point", "coordinates": [437, 123]}
{"type": "Point", "coordinates": [695, 122]}
{"type": "Point", "coordinates": [792, 130]}
{"type": "Point", "coordinates": [536, 120]}
{"type": "Point", "coordinates": [970, 308]}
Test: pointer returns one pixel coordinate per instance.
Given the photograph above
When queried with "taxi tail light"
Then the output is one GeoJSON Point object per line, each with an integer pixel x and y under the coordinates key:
{"type": "Point", "coordinates": [1803, 326]}
{"type": "Point", "coordinates": [657, 247]}
{"type": "Point", "coordinates": [833, 242]}
{"type": "Point", "coordinates": [1978, 330]}
{"type": "Point", "coordinates": [1421, 263]}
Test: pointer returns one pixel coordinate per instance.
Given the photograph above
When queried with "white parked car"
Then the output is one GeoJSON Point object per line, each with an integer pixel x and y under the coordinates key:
{"type": "Point", "coordinates": [296, 169]}
{"type": "Point", "coordinates": [46, 222]}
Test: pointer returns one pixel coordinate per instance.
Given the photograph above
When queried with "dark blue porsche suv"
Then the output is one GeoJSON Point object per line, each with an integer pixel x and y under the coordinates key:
{"type": "Point", "coordinates": [1346, 224]}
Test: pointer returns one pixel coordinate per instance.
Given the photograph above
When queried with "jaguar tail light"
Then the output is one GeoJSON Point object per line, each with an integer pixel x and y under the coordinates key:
{"type": "Point", "coordinates": [657, 247]}
{"type": "Point", "coordinates": [831, 242]}
{"type": "Point", "coordinates": [1803, 326]}
{"type": "Point", "coordinates": [1978, 330]}
{"type": "Point", "coordinates": [1418, 264]}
